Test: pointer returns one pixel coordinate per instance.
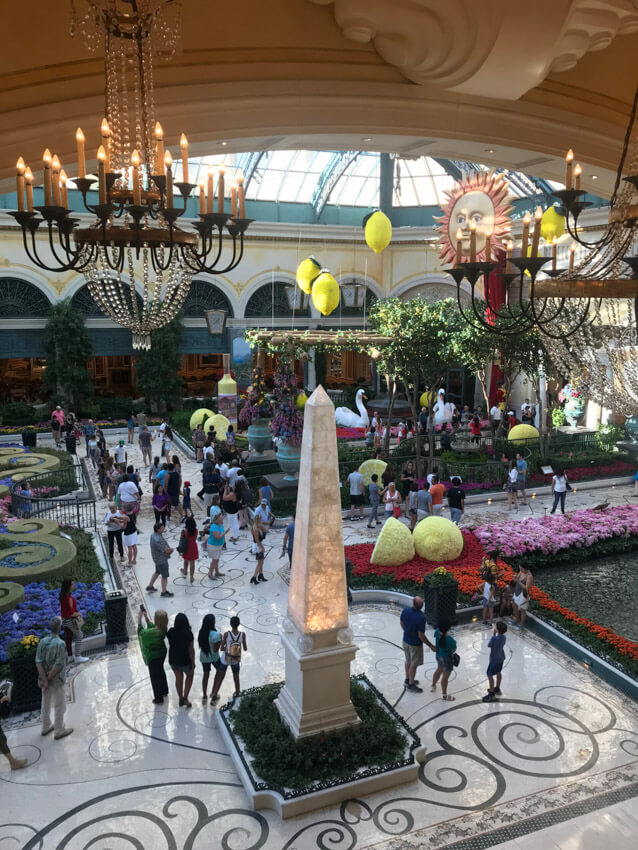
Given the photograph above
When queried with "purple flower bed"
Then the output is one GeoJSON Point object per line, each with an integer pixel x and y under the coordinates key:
{"type": "Point", "coordinates": [40, 606]}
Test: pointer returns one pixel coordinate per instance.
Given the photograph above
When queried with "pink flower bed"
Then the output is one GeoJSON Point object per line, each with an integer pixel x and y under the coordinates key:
{"type": "Point", "coordinates": [551, 534]}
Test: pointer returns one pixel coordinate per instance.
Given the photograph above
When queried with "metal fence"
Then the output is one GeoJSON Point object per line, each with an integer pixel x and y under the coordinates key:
{"type": "Point", "coordinates": [55, 496]}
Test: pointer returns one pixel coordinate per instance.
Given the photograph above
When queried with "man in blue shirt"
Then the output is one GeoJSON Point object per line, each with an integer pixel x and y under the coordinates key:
{"type": "Point", "coordinates": [289, 539]}
{"type": "Point", "coordinates": [88, 431]}
{"type": "Point", "coordinates": [521, 466]}
{"type": "Point", "coordinates": [413, 625]}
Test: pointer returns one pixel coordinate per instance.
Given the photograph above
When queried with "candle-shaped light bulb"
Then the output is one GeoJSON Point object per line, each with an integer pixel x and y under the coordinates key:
{"type": "Point", "coordinates": [79, 139]}
{"type": "Point", "coordinates": [105, 131]}
{"type": "Point", "coordinates": [55, 180]}
{"type": "Point", "coordinates": [577, 172]}
{"type": "Point", "coordinates": [101, 174]}
{"type": "Point", "coordinates": [136, 161]}
{"type": "Point", "coordinates": [202, 198]}
{"type": "Point", "coordinates": [572, 253]}
{"type": "Point", "coordinates": [28, 179]}
{"type": "Point", "coordinates": [159, 148]}
{"type": "Point", "coordinates": [233, 200]}
{"type": "Point", "coordinates": [554, 251]}
{"type": "Point", "coordinates": [472, 241]}
{"type": "Point", "coordinates": [538, 215]}
{"type": "Point", "coordinates": [569, 160]}
{"type": "Point", "coordinates": [459, 247]}
{"type": "Point", "coordinates": [183, 143]}
{"type": "Point", "coordinates": [211, 191]}
{"type": "Point", "coordinates": [525, 238]}
{"type": "Point", "coordinates": [64, 189]}
{"type": "Point", "coordinates": [221, 189]}
{"type": "Point", "coordinates": [168, 162]}
{"type": "Point", "coordinates": [20, 169]}
{"type": "Point", "coordinates": [509, 250]}
{"type": "Point", "coordinates": [240, 195]}
{"type": "Point", "coordinates": [46, 162]}
{"type": "Point", "coordinates": [488, 246]}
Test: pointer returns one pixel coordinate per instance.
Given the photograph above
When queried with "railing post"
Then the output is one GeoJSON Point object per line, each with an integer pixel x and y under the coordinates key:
{"type": "Point", "coordinates": [77, 508]}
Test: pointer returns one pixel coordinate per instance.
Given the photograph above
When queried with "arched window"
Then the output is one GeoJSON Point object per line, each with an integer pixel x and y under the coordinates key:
{"type": "Point", "coordinates": [203, 296]}
{"type": "Point", "coordinates": [277, 299]}
{"type": "Point", "coordinates": [22, 300]}
{"type": "Point", "coordinates": [83, 302]}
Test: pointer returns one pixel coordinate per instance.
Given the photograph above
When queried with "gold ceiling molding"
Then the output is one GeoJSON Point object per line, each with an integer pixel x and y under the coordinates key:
{"type": "Point", "coordinates": [471, 47]}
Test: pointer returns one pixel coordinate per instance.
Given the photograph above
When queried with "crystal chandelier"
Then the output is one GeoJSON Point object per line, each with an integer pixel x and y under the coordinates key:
{"type": "Point", "coordinates": [133, 244]}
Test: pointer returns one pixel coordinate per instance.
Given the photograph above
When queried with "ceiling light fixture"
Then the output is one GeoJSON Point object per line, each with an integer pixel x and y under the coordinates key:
{"type": "Point", "coordinates": [134, 235]}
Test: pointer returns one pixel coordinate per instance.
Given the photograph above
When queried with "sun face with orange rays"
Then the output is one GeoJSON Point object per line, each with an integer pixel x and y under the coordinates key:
{"type": "Point", "coordinates": [481, 197]}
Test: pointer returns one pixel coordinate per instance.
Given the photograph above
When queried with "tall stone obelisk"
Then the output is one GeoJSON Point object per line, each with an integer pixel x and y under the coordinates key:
{"type": "Point", "coordinates": [316, 636]}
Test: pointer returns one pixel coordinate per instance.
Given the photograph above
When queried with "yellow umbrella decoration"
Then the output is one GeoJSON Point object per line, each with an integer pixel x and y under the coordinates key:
{"type": "Point", "coordinates": [307, 271]}
{"type": "Point", "coordinates": [378, 231]}
{"type": "Point", "coordinates": [325, 293]}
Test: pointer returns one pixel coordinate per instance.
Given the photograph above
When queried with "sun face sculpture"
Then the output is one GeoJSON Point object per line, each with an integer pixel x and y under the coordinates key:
{"type": "Point", "coordinates": [481, 197]}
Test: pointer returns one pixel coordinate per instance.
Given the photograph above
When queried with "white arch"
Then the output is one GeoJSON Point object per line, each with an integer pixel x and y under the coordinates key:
{"type": "Point", "coordinates": [263, 279]}
{"type": "Point", "coordinates": [228, 290]}
{"type": "Point", "coordinates": [35, 278]}
{"type": "Point", "coordinates": [425, 279]}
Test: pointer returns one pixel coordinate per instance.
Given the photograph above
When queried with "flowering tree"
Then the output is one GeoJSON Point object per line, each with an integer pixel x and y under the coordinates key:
{"type": "Point", "coordinates": [255, 403]}
{"type": "Point", "coordinates": [287, 422]}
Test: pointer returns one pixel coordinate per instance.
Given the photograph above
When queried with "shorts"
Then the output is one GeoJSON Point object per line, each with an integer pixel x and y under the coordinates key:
{"type": "Point", "coordinates": [521, 601]}
{"type": "Point", "coordinates": [489, 603]}
{"type": "Point", "coordinates": [413, 654]}
{"type": "Point", "coordinates": [223, 667]}
{"type": "Point", "coordinates": [422, 514]}
{"type": "Point", "coordinates": [162, 569]}
{"type": "Point", "coordinates": [182, 668]}
{"type": "Point", "coordinates": [512, 488]}
{"type": "Point", "coordinates": [521, 482]}
{"type": "Point", "coordinates": [174, 501]}
{"type": "Point", "coordinates": [456, 514]}
{"type": "Point", "coordinates": [214, 552]}
{"type": "Point", "coordinates": [446, 663]}
{"type": "Point", "coordinates": [494, 667]}
{"type": "Point", "coordinates": [259, 556]}
{"type": "Point", "coordinates": [413, 512]}
{"type": "Point", "coordinates": [437, 510]}
{"type": "Point", "coordinates": [356, 500]}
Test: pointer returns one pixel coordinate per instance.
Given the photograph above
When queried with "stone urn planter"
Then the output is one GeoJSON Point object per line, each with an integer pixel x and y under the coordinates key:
{"type": "Point", "coordinates": [289, 458]}
{"type": "Point", "coordinates": [27, 696]}
{"type": "Point", "coordinates": [260, 436]}
{"type": "Point", "coordinates": [439, 601]}
{"type": "Point", "coordinates": [574, 410]}
{"type": "Point", "coordinates": [30, 438]}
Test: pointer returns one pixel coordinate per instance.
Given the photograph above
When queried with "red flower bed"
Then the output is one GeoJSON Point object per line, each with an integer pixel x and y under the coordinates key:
{"type": "Point", "coordinates": [620, 467]}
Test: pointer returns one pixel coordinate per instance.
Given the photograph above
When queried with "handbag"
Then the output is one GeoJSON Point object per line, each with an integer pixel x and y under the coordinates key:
{"type": "Point", "coordinates": [182, 546]}
{"type": "Point", "coordinates": [396, 511]}
{"type": "Point", "coordinates": [456, 659]}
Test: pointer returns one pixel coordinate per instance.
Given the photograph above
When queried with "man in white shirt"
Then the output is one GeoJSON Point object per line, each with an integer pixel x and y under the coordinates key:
{"type": "Point", "coordinates": [120, 453]}
{"type": "Point", "coordinates": [495, 418]}
{"type": "Point", "coordinates": [222, 468]}
{"type": "Point", "coordinates": [162, 428]}
{"type": "Point", "coordinates": [128, 493]}
{"type": "Point", "coordinates": [233, 474]}
{"type": "Point", "coordinates": [263, 511]}
{"type": "Point", "coordinates": [355, 480]}
{"type": "Point", "coordinates": [526, 411]}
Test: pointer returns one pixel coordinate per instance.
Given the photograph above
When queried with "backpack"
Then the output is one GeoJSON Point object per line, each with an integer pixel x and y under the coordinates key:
{"type": "Point", "coordinates": [182, 546]}
{"type": "Point", "coordinates": [234, 650]}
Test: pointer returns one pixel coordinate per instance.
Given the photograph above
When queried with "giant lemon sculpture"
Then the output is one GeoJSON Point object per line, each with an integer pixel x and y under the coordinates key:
{"type": "Point", "coordinates": [378, 231]}
{"type": "Point", "coordinates": [523, 434]}
{"type": "Point", "coordinates": [200, 416]}
{"type": "Point", "coordinates": [325, 293]}
{"type": "Point", "coordinates": [438, 539]}
{"type": "Point", "coordinates": [307, 271]}
{"type": "Point", "coordinates": [371, 467]}
{"type": "Point", "coordinates": [220, 425]}
{"type": "Point", "coordinates": [394, 545]}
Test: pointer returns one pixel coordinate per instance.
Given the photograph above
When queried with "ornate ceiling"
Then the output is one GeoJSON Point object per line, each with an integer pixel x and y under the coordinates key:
{"type": "Point", "coordinates": [408, 76]}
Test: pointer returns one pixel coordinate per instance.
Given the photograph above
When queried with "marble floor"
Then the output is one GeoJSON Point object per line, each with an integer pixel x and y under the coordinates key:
{"type": "Point", "coordinates": [553, 763]}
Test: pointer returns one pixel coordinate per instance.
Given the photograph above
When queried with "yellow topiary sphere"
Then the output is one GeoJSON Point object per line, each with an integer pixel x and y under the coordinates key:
{"type": "Point", "coordinates": [200, 416]}
{"type": "Point", "coordinates": [371, 467]}
{"type": "Point", "coordinates": [220, 425]}
{"type": "Point", "coordinates": [378, 231]}
{"type": "Point", "coordinates": [307, 271]}
{"type": "Point", "coordinates": [523, 434]}
{"type": "Point", "coordinates": [325, 293]}
{"type": "Point", "coordinates": [302, 398]}
{"type": "Point", "coordinates": [394, 545]}
{"type": "Point", "coordinates": [438, 539]}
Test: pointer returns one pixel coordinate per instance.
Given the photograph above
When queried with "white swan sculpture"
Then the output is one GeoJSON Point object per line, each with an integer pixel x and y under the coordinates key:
{"type": "Point", "coordinates": [347, 418]}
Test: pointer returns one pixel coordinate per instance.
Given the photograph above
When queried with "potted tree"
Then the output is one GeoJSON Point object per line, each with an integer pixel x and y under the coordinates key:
{"type": "Point", "coordinates": [29, 436]}
{"type": "Point", "coordinates": [21, 656]}
{"type": "Point", "coordinates": [255, 414]}
{"type": "Point", "coordinates": [287, 423]}
{"type": "Point", "coordinates": [440, 590]}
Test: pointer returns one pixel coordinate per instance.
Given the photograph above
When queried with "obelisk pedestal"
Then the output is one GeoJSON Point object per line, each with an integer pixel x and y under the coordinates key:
{"type": "Point", "coordinates": [316, 636]}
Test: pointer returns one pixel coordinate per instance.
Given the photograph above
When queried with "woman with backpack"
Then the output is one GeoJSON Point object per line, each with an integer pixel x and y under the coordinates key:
{"type": "Point", "coordinates": [232, 644]}
{"type": "Point", "coordinates": [209, 641]}
{"type": "Point", "coordinates": [187, 547]}
{"type": "Point", "coordinates": [445, 649]}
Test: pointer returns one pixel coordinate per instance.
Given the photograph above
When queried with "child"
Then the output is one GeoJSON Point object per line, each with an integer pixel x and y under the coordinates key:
{"type": "Point", "coordinates": [497, 659]}
{"type": "Point", "coordinates": [489, 599]}
{"type": "Point", "coordinates": [445, 649]}
{"type": "Point", "coordinates": [186, 499]}
{"type": "Point", "coordinates": [507, 597]}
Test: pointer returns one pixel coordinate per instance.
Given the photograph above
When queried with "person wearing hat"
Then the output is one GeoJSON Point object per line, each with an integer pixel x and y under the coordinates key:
{"type": "Point", "coordinates": [120, 453]}
{"type": "Point", "coordinates": [57, 421]}
{"type": "Point", "coordinates": [263, 511]}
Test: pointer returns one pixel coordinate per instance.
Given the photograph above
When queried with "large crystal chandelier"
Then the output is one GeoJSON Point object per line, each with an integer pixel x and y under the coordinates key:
{"type": "Point", "coordinates": [133, 247]}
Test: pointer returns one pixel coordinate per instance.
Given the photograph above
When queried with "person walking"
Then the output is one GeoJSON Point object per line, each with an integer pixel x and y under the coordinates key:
{"type": "Point", "coordinates": [129, 494]}
{"type": "Point", "coordinates": [289, 539]}
{"type": "Point", "coordinates": [186, 499]}
{"type": "Point", "coordinates": [114, 522]}
{"type": "Point", "coordinates": [152, 640]}
{"type": "Point", "coordinates": [512, 486]}
{"type": "Point", "coordinates": [445, 649]}
{"type": "Point", "coordinates": [216, 539]}
{"type": "Point", "coordinates": [560, 486]}
{"type": "Point", "coordinates": [521, 467]}
{"type": "Point", "coordinates": [495, 419]}
{"type": "Point", "coordinates": [257, 548]}
{"type": "Point", "coordinates": [130, 425]}
{"type": "Point", "coordinates": [355, 482]}
{"type": "Point", "coordinates": [51, 662]}
{"type": "Point", "coordinates": [120, 454]}
{"type": "Point", "coordinates": [130, 538]}
{"type": "Point", "coordinates": [497, 659]}
{"type": "Point", "coordinates": [423, 501]}
{"type": "Point", "coordinates": [57, 422]}
{"type": "Point", "coordinates": [267, 516]}
{"type": "Point", "coordinates": [5, 699]}
{"type": "Point", "coordinates": [374, 494]}
{"type": "Point", "coordinates": [160, 553]}
{"type": "Point", "coordinates": [145, 438]}
{"type": "Point", "coordinates": [161, 504]}
{"type": "Point", "coordinates": [167, 445]}
{"type": "Point", "coordinates": [413, 624]}
{"type": "Point", "coordinates": [89, 431]}
{"type": "Point", "coordinates": [181, 657]}
{"type": "Point", "coordinates": [412, 504]}
{"type": "Point", "coordinates": [191, 552]}
{"type": "Point", "coordinates": [153, 472]}
{"type": "Point", "coordinates": [456, 500]}
{"type": "Point", "coordinates": [173, 489]}
{"type": "Point", "coordinates": [408, 477]}
{"type": "Point", "coordinates": [524, 583]}
{"type": "Point", "coordinates": [437, 491]}
{"type": "Point", "coordinates": [475, 429]}
{"type": "Point", "coordinates": [199, 440]}
{"type": "Point", "coordinates": [72, 622]}
{"type": "Point", "coordinates": [233, 642]}
{"type": "Point", "coordinates": [231, 508]}
{"type": "Point", "coordinates": [209, 641]}
{"type": "Point", "coordinates": [391, 501]}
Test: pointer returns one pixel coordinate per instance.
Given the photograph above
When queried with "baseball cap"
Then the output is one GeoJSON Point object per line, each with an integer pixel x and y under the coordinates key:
{"type": "Point", "coordinates": [121, 442]}
{"type": "Point", "coordinates": [187, 484]}
{"type": "Point", "coordinates": [264, 502]}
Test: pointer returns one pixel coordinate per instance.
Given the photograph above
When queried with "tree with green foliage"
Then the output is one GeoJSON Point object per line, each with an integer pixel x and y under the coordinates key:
{"type": "Point", "coordinates": [67, 348]}
{"type": "Point", "coordinates": [420, 350]}
{"type": "Point", "coordinates": [158, 375]}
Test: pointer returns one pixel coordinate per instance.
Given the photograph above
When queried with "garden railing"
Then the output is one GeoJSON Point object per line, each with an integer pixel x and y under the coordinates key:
{"type": "Point", "coordinates": [55, 496]}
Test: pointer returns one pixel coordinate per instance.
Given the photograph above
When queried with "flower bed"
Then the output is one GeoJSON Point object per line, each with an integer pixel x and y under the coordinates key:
{"type": "Point", "coordinates": [45, 427]}
{"type": "Point", "coordinates": [580, 473]}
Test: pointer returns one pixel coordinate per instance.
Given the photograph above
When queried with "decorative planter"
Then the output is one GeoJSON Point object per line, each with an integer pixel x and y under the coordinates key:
{"type": "Point", "coordinates": [259, 435]}
{"type": "Point", "coordinates": [574, 410]}
{"type": "Point", "coordinates": [289, 458]}
{"type": "Point", "coordinates": [440, 602]}
{"type": "Point", "coordinates": [30, 438]}
{"type": "Point", "coordinates": [71, 443]}
{"type": "Point", "coordinates": [27, 696]}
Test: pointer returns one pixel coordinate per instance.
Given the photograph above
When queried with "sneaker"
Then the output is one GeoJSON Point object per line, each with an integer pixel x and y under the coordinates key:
{"type": "Point", "coordinates": [63, 733]}
{"type": "Point", "coordinates": [414, 689]}
{"type": "Point", "coordinates": [166, 593]}
{"type": "Point", "coordinates": [518, 628]}
{"type": "Point", "coordinates": [407, 681]}
{"type": "Point", "coordinates": [151, 589]}
{"type": "Point", "coordinates": [80, 659]}
{"type": "Point", "coordinates": [18, 764]}
{"type": "Point", "coordinates": [497, 691]}
{"type": "Point", "coordinates": [46, 732]}
{"type": "Point", "coordinates": [489, 697]}
{"type": "Point", "coordinates": [6, 689]}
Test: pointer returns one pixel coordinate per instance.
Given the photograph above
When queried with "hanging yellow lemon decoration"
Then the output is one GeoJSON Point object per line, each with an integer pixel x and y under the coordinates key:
{"type": "Point", "coordinates": [552, 224]}
{"type": "Point", "coordinates": [302, 398]}
{"type": "Point", "coordinates": [378, 231]}
{"type": "Point", "coordinates": [325, 293]}
{"type": "Point", "coordinates": [307, 271]}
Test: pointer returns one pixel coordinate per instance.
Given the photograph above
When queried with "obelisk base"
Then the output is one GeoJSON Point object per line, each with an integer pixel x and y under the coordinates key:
{"type": "Point", "coordinates": [316, 695]}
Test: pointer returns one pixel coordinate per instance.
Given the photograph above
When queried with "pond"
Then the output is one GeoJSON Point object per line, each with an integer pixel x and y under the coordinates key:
{"type": "Point", "coordinates": [604, 590]}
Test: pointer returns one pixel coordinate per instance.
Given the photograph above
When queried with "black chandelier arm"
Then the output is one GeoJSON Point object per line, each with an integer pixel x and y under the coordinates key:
{"type": "Point", "coordinates": [159, 267]}
{"type": "Point", "coordinates": [30, 226]}
{"type": "Point", "coordinates": [562, 335]}
{"type": "Point", "coordinates": [483, 324]}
